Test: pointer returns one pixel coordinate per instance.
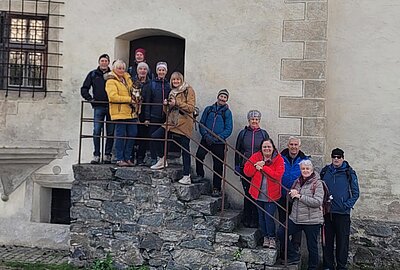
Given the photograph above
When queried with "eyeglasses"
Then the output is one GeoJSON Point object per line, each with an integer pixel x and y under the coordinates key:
{"type": "Point", "coordinates": [338, 157]}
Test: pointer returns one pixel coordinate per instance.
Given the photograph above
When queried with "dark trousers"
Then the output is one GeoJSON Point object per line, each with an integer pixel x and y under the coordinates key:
{"type": "Point", "coordinates": [250, 211]}
{"type": "Point", "coordinates": [142, 145]}
{"type": "Point", "coordinates": [219, 151]}
{"type": "Point", "coordinates": [311, 232]}
{"type": "Point", "coordinates": [337, 226]}
{"type": "Point", "coordinates": [100, 114]}
{"type": "Point", "coordinates": [158, 146]}
{"type": "Point", "coordinates": [296, 238]}
{"type": "Point", "coordinates": [152, 129]}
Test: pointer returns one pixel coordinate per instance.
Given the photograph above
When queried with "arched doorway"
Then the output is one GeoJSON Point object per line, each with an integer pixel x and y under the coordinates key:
{"type": "Point", "coordinates": [161, 48]}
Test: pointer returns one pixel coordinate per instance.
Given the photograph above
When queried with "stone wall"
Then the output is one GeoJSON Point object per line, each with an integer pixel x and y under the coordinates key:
{"type": "Point", "coordinates": [375, 244]}
{"type": "Point", "coordinates": [141, 216]}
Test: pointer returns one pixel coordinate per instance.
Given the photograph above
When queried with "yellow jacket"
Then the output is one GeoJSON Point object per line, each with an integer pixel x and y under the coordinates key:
{"type": "Point", "coordinates": [119, 96]}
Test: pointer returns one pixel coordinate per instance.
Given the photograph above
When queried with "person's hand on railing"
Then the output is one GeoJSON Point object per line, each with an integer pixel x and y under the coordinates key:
{"type": "Point", "coordinates": [146, 123]}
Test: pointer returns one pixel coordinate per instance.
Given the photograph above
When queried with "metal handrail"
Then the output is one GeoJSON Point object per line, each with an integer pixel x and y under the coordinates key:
{"type": "Point", "coordinates": [223, 177]}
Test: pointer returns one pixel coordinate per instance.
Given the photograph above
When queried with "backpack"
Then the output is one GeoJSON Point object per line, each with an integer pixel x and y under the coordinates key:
{"type": "Point", "coordinates": [348, 175]}
{"type": "Point", "coordinates": [211, 109]}
{"type": "Point", "coordinates": [326, 202]}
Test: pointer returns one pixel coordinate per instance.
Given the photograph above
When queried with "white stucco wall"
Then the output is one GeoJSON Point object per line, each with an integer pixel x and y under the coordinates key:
{"type": "Point", "coordinates": [363, 98]}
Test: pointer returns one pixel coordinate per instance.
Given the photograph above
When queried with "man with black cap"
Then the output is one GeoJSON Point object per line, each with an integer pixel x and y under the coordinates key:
{"type": "Point", "coordinates": [218, 119]}
{"type": "Point", "coordinates": [342, 183]}
{"type": "Point", "coordinates": [99, 101]}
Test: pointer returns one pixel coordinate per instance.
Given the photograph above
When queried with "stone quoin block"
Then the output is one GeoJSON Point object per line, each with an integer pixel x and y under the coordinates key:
{"type": "Point", "coordinates": [314, 89]}
{"type": "Point", "coordinates": [304, 30]}
{"type": "Point", "coordinates": [302, 70]}
{"type": "Point", "coordinates": [301, 107]}
{"type": "Point", "coordinates": [309, 145]}
{"type": "Point", "coordinates": [314, 126]}
{"type": "Point", "coordinates": [315, 50]}
{"type": "Point", "coordinates": [317, 11]}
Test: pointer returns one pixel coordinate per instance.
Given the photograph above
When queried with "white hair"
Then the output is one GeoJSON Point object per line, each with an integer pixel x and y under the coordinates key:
{"type": "Point", "coordinates": [306, 162]}
{"type": "Point", "coordinates": [118, 63]}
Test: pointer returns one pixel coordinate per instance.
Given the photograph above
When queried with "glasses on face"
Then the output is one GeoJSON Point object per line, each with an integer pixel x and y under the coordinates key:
{"type": "Point", "coordinates": [336, 157]}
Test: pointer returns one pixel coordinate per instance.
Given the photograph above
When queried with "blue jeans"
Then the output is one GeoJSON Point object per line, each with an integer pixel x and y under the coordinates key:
{"type": "Point", "coordinates": [266, 223]}
{"type": "Point", "coordinates": [99, 114]}
{"type": "Point", "coordinates": [311, 232]}
{"type": "Point", "coordinates": [123, 147]}
{"type": "Point", "coordinates": [158, 146]}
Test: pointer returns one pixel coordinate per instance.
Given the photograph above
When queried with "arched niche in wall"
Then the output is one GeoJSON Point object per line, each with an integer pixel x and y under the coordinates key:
{"type": "Point", "coordinates": [160, 45]}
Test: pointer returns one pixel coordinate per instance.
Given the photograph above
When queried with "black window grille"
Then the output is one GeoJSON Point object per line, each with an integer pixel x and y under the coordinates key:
{"type": "Point", "coordinates": [29, 46]}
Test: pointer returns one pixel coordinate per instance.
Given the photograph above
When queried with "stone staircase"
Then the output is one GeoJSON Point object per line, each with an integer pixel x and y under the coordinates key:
{"type": "Point", "coordinates": [141, 216]}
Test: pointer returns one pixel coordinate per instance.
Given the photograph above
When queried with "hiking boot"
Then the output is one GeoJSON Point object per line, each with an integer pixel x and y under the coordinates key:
{"type": "Point", "coordinates": [266, 242]}
{"type": "Point", "coordinates": [140, 162]}
{"type": "Point", "coordinates": [272, 243]}
{"type": "Point", "coordinates": [159, 165]}
{"type": "Point", "coordinates": [122, 163]}
{"type": "Point", "coordinates": [130, 163]}
{"type": "Point", "coordinates": [107, 159]}
{"type": "Point", "coordinates": [95, 160]}
{"type": "Point", "coordinates": [216, 193]}
{"type": "Point", "coordinates": [185, 180]}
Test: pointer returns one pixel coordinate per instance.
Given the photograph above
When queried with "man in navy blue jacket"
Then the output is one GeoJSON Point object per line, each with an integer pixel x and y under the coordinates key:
{"type": "Point", "coordinates": [218, 119]}
{"type": "Point", "coordinates": [342, 183]}
{"type": "Point", "coordinates": [95, 80]}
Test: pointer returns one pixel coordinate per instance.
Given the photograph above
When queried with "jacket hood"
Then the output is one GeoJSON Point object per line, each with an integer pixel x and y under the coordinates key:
{"type": "Point", "coordinates": [285, 153]}
{"type": "Point", "coordinates": [111, 75]}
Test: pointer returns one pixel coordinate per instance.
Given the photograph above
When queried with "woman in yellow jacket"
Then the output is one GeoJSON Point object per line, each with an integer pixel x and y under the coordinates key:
{"type": "Point", "coordinates": [118, 87]}
{"type": "Point", "coordinates": [180, 107]}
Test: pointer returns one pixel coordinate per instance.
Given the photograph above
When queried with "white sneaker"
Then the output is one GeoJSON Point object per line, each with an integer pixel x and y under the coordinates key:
{"type": "Point", "coordinates": [185, 180]}
{"type": "Point", "coordinates": [159, 165]}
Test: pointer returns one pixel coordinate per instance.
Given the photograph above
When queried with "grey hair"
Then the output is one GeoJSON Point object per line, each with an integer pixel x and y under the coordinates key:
{"type": "Point", "coordinates": [118, 63]}
{"type": "Point", "coordinates": [294, 138]}
{"type": "Point", "coordinates": [306, 162]}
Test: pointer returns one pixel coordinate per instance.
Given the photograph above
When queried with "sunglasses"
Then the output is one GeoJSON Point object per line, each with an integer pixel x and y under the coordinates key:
{"type": "Point", "coordinates": [335, 156]}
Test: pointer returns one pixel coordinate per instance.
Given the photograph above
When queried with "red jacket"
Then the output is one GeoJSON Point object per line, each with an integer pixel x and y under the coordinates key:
{"type": "Point", "coordinates": [274, 170]}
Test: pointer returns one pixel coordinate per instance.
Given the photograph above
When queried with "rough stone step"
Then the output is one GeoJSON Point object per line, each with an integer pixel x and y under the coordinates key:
{"type": "Point", "coordinates": [281, 267]}
{"type": "Point", "coordinates": [187, 193]}
{"type": "Point", "coordinates": [226, 221]}
{"type": "Point", "coordinates": [249, 237]}
{"type": "Point", "coordinates": [205, 205]}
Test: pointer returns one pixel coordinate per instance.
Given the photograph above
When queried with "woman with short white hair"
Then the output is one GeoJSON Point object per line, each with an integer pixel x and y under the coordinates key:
{"type": "Point", "coordinates": [307, 194]}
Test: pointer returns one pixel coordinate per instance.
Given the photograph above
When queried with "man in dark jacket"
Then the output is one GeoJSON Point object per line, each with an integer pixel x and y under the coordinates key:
{"type": "Point", "coordinates": [218, 119]}
{"type": "Point", "coordinates": [342, 183]}
{"type": "Point", "coordinates": [99, 100]}
{"type": "Point", "coordinates": [292, 156]}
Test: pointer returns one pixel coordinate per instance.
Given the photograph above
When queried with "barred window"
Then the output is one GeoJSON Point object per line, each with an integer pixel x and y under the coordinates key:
{"type": "Point", "coordinates": [27, 48]}
{"type": "Point", "coordinates": [29, 44]}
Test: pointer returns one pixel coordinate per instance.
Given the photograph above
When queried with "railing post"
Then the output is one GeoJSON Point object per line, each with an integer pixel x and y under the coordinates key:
{"type": "Point", "coordinates": [166, 136]}
{"type": "Point", "coordinates": [286, 227]}
{"type": "Point", "coordinates": [223, 180]}
{"type": "Point", "coordinates": [80, 135]}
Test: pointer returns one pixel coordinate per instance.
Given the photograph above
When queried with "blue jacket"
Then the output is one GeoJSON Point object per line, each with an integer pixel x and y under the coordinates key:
{"type": "Point", "coordinates": [248, 142]}
{"type": "Point", "coordinates": [218, 119]}
{"type": "Point", "coordinates": [158, 91]}
{"type": "Point", "coordinates": [95, 80]}
{"type": "Point", "coordinates": [292, 168]}
{"type": "Point", "coordinates": [343, 186]}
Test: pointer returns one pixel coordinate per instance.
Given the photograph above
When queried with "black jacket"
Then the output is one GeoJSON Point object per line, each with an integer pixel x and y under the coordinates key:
{"type": "Point", "coordinates": [95, 80]}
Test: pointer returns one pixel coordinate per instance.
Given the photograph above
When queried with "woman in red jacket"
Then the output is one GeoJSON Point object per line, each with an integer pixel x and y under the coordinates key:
{"type": "Point", "coordinates": [266, 168]}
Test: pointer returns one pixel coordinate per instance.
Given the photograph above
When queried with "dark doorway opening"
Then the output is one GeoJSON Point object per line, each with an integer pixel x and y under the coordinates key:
{"type": "Point", "coordinates": [60, 206]}
{"type": "Point", "coordinates": [161, 48]}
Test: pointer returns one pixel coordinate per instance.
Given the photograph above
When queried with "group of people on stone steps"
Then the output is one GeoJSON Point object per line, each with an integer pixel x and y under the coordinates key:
{"type": "Point", "coordinates": [267, 176]}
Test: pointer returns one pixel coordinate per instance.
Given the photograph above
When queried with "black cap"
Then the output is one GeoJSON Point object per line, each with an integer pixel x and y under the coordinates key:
{"type": "Point", "coordinates": [104, 55]}
{"type": "Point", "coordinates": [337, 152]}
